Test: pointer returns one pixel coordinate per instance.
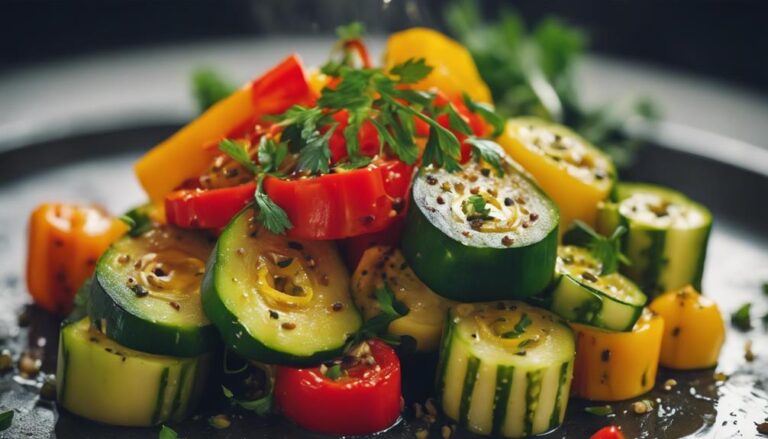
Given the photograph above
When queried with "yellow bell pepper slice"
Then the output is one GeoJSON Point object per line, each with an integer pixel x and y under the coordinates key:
{"type": "Point", "coordinates": [694, 329]}
{"type": "Point", "coordinates": [570, 170]}
{"type": "Point", "coordinates": [613, 366]}
{"type": "Point", "coordinates": [454, 71]}
{"type": "Point", "coordinates": [187, 154]}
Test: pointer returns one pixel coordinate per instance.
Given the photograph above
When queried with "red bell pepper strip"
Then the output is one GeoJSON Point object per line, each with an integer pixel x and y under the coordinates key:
{"type": "Point", "coordinates": [331, 206]}
{"type": "Point", "coordinates": [365, 399]}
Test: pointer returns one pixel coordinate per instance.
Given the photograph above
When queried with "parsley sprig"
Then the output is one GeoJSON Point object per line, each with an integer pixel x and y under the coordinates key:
{"type": "Point", "coordinates": [378, 326]}
{"type": "Point", "coordinates": [606, 249]}
{"type": "Point", "coordinates": [271, 154]}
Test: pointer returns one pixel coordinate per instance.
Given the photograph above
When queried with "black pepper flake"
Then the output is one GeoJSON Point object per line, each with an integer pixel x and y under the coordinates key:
{"type": "Point", "coordinates": [295, 245]}
{"type": "Point", "coordinates": [273, 315]}
{"type": "Point", "coordinates": [526, 224]}
{"type": "Point", "coordinates": [474, 191]}
{"type": "Point", "coordinates": [486, 172]}
{"type": "Point", "coordinates": [175, 305]}
{"type": "Point", "coordinates": [284, 262]}
{"type": "Point", "coordinates": [108, 350]}
{"type": "Point", "coordinates": [94, 339]}
{"type": "Point", "coordinates": [605, 355]}
{"type": "Point", "coordinates": [431, 180]}
{"type": "Point", "coordinates": [139, 290]}
{"type": "Point", "coordinates": [508, 201]}
{"type": "Point", "coordinates": [533, 216]}
{"type": "Point", "coordinates": [159, 272]}
{"type": "Point", "coordinates": [506, 240]}
{"type": "Point", "coordinates": [675, 331]}
{"type": "Point", "coordinates": [338, 306]}
{"type": "Point", "coordinates": [589, 276]}
{"type": "Point", "coordinates": [476, 224]}
{"type": "Point", "coordinates": [440, 200]}
{"type": "Point", "coordinates": [288, 326]}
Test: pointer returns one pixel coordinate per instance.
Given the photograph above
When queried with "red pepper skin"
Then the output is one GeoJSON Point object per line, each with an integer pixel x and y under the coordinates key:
{"type": "Point", "coordinates": [330, 206]}
{"type": "Point", "coordinates": [474, 121]}
{"type": "Point", "coordinates": [367, 136]}
{"type": "Point", "coordinates": [344, 204]}
{"type": "Point", "coordinates": [206, 209]}
{"type": "Point", "coordinates": [610, 432]}
{"type": "Point", "coordinates": [364, 402]}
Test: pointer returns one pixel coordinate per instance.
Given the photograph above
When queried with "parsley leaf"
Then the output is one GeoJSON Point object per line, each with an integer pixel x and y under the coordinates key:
{"type": "Point", "coordinates": [351, 31]}
{"type": "Point", "coordinates": [6, 419]}
{"type": "Point", "coordinates": [167, 432]}
{"type": "Point", "coordinates": [377, 326]}
{"type": "Point", "coordinates": [315, 157]}
{"type": "Point", "coordinates": [334, 372]}
{"type": "Point", "coordinates": [270, 215]}
{"type": "Point", "coordinates": [261, 406]}
{"type": "Point", "coordinates": [486, 112]}
{"type": "Point", "coordinates": [605, 249]}
{"type": "Point", "coordinates": [209, 87]}
{"type": "Point", "coordinates": [138, 221]}
{"type": "Point", "coordinates": [487, 150]}
{"type": "Point", "coordinates": [438, 155]}
{"type": "Point", "coordinates": [411, 71]}
{"type": "Point", "coordinates": [475, 207]}
{"type": "Point", "coordinates": [741, 318]}
{"type": "Point", "coordinates": [271, 154]}
{"type": "Point", "coordinates": [236, 151]}
{"type": "Point", "coordinates": [457, 122]}
{"type": "Point", "coordinates": [406, 153]}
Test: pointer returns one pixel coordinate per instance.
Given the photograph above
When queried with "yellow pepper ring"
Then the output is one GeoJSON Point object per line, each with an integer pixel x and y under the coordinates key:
{"type": "Point", "coordinates": [296, 279]}
{"type": "Point", "coordinates": [497, 326]}
{"type": "Point", "coordinates": [504, 218]}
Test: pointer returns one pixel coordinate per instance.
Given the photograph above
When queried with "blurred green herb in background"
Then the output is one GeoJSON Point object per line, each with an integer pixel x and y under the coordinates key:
{"type": "Point", "coordinates": [532, 72]}
{"type": "Point", "coordinates": [209, 87]}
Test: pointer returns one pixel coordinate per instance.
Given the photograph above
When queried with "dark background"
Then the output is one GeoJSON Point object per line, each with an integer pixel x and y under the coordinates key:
{"type": "Point", "coordinates": [724, 39]}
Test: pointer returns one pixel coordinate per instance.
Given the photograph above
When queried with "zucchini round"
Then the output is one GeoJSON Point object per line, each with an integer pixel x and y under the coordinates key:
{"type": "Point", "coordinates": [570, 169]}
{"type": "Point", "coordinates": [582, 294]}
{"type": "Point", "coordinates": [146, 295]}
{"type": "Point", "coordinates": [505, 368]}
{"type": "Point", "coordinates": [473, 235]}
{"type": "Point", "coordinates": [277, 300]}
{"type": "Point", "coordinates": [666, 239]}
{"type": "Point", "coordinates": [103, 381]}
{"type": "Point", "coordinates": [425, 320]}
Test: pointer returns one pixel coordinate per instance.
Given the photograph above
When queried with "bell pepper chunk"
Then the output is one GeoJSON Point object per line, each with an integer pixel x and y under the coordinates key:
{"type": "Point", "coordinates": [187, 153]}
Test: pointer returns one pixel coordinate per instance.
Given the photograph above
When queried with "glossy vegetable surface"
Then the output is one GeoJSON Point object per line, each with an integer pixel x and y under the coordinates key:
{"type": "Point", "coordinates": [355, 395]}
{"type": "Point", "coordinates": [694, 330]}
{"type": "Point", "coordinates": [574, 173]}
{"type": "Point", "coordinates": [65, 241]}
{"type": "Point", "coordinates": [613, 366]}
{"type": "Point", "coordinates": [474, 235]}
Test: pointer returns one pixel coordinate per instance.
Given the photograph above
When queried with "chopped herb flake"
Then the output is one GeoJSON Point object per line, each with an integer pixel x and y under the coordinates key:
{"type": "Point", "coordinates": [741, 318]}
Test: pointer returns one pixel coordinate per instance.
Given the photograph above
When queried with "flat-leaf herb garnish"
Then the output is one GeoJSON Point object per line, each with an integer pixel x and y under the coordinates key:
{"type": "Point", "coordinates": [742, 318]}
{"type": "Point", "coordinates": [606, 249]}
{"type": "Point", "coordinates": [519, 328]}
{"type": "Point", "coordinates": [378, 326]}
{"type": "Point", "coordinates": [599, 410]}
{"type": "Point", "coordinates": [6, 419]}
{"type": "Point", "coordinates": [167, 432]}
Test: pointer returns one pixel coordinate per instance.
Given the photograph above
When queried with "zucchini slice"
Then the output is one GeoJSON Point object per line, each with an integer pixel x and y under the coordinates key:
{"type": "Point", "coordinates": [666, 239]}
{"type": "Point", "coordinates": [473, 235]}
{"type": "Point", "coordinates": [278, 300]}
{"type": "Point", "coordinates": [582, 295]}
{"type": "Point", "coordinates": [426, 310]}
{"type": "Point", "coordinates": [104, 381]}
{"type": "Point", "coordinates": [505, 368]}
{"type": "Point", "coordinates": [147, 293]}
{"type": "Point", "coordinates": [570, 169]}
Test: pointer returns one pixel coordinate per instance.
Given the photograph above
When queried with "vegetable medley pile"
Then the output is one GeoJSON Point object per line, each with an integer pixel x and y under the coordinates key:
{"type": "Point", "coordinates": [307, 223]}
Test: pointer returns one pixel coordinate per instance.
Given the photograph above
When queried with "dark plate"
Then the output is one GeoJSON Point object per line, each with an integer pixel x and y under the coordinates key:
{"type": "Point", "coordinates": [97, 168]}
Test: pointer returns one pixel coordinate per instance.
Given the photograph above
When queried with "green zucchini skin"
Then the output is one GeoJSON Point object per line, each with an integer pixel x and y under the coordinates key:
{"type": "Point", "coordinates": [113, 308]}
{"type": "Point", "coordinates": [478, 268]}
{"type": "Point", "coordinates": [607, 301]}
{"type": "Point", "coordinates": [664, 257]}
{"type": "Point", "coordinates": [252, 342]}
{"type": "Point", "coordinates": [103, 381]}
{"type": "Point", "coordinates": [152, 337]}
{"type": "Point", "coordinates": [492, 389]}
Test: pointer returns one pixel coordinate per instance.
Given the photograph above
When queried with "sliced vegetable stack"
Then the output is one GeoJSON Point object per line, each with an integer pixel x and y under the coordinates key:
{"type": "Point", "coordinates": [666, 239]}
{"type": "Point", "coordinates": [250, 205]}
{"type": "Point", "coordinates": [505, 368]}
{"type": "Point", "coordinates": [481, 233]}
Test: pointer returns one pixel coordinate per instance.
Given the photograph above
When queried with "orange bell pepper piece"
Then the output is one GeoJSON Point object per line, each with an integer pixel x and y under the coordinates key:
{"type": "Point", "coordinates": [65, 241]}
{"type": "Point", "coordinates": [187, 153]}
